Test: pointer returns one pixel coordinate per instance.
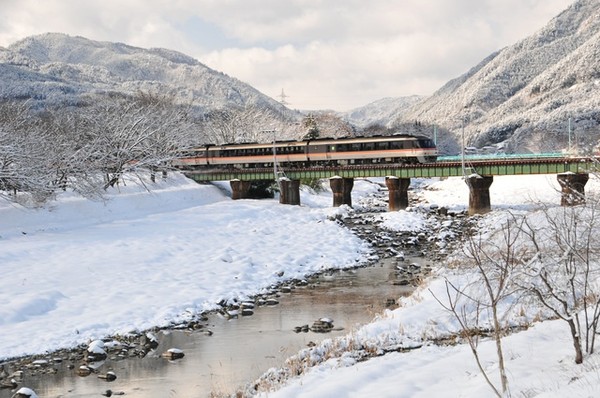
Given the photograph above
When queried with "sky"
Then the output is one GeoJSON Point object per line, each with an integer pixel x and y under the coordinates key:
{"type": "Point", "coordinates": [334, 54]}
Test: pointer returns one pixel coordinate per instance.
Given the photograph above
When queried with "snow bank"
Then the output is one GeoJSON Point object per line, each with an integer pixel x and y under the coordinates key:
{"type": "Point", "coordinates": [79, 270]}
{"type": "Point", "coordinates": [539, 361]}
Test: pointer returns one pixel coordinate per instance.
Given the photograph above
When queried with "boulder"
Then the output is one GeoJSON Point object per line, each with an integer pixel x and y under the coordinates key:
{"type": "Point", "coordinates": [109, 376]}
{"type": "Point", "coordinates": [25, 392]}
{"type": "Point", "coordinates": [173, 354]}
{"type": "Point", "coordinates": [95, 351]}
{"type": "Point", "coordinates": [323, 325]}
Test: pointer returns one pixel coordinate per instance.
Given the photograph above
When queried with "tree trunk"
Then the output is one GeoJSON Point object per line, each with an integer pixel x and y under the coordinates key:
{"type": "Point", "coordinates": [498, 338]}
{"type": "Point", "coordinates": [576, 342]}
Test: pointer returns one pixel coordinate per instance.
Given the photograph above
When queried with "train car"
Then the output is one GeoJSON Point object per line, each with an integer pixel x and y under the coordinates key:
{"type": "Point", "coordinates": [372, 150]}
{"type": "Point", "coordinates": [319, 152]}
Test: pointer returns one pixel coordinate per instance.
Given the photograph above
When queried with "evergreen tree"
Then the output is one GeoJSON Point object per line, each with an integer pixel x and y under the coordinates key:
{"type": "Point", "coordinates": [312, 129]}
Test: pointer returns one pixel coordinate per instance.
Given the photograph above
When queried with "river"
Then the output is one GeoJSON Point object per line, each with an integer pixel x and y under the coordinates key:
{"type": "Point", "coordinates": [240, 349]}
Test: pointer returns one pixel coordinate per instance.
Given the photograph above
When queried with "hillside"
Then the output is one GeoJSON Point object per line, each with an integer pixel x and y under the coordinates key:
{"type": "Point", "coordinates": [525, 94]}
{"type": "Point", "coordinates": [55, 67]}
{"type": "Point", "coordinates": [522, 96]}
{"type": "Point", "coordinates": [380, 112]}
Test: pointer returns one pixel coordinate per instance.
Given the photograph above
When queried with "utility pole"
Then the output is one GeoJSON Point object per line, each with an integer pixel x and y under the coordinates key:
{"type": "Point", "coordinates": [463, 148]}
{"type": "Point", "coordinates": [569, 135]}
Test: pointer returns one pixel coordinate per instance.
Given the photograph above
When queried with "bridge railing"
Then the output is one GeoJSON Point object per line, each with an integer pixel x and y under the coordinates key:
{"type": "Point", "coordinates": [457, 158]}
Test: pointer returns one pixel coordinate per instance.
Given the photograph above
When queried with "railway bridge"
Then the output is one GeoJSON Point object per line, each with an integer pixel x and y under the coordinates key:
{"type": "Point", "coordinates": [572, 174]}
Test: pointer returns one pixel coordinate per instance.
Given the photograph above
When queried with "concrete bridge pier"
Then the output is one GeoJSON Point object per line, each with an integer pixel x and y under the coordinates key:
{"type": "Point", "coordinates": [342, 190]}
{"type": "Point", "coordinates": [398, 193]}
{"type": "Point", "coordinates": [573, 188]}
{"type": "Point", "coordinates": [240, 189]}
{"type": "Point", "coordinates": [289, 191]}
{"type": "Point", "coordinates": [479, 193]}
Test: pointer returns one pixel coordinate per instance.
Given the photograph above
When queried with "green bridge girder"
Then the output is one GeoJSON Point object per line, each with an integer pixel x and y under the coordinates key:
{"type": "Point", "coordinates": [488, 167]}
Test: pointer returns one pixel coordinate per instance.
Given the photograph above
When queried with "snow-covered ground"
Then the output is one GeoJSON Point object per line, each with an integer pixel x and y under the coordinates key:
{"type": "Point", "coordinates": [539, 361]}
{"type": "Point", "coordinates": [79, 270]}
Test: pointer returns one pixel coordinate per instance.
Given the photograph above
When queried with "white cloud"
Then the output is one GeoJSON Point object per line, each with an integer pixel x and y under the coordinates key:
{"type": "Point", "coordinates": [325, 53]}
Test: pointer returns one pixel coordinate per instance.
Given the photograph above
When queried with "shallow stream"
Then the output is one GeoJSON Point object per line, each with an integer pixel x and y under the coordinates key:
{"type": "Point", "coordinates": [239, 350]}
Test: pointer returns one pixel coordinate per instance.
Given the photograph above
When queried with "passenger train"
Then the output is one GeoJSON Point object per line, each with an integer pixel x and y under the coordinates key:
{"type": "Point", "coordinates": [398, 148]}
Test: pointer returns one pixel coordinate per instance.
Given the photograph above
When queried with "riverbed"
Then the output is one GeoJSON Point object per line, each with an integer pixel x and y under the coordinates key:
{"type": "Point", "coordinates": [230, 352]}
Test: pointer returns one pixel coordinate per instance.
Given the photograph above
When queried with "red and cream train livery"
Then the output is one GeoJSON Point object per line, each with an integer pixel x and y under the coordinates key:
{"type": "Point", "coordinates": [317, 152]}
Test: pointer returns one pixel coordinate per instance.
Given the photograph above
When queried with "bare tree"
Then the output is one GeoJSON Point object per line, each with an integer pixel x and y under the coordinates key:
{"type": "Point", "coordinates": [172, 130]}
{"type": "Point", "coordinates": [251, 124]}
{"type": "Point", "coordinates": [332, 125]}
{"type": "Point", "coordinates": [247, 124]}
{"type": "Point", "coordinates": [563, 272]}
{"type": "Point", "coordinates": [549, 256]}
{"type": "Point", "coordinates": [469, 330]}
{"type": "Point", "coordinates": [496, 258]}
{"type": "Point", "coordinates": [129, 135]}
{"type": "Point", "coordinates": [22, 153]}
{"type": "Point", "coordinates": [69, 151]}
{"type": "Point", "coordinates": [45, 150]}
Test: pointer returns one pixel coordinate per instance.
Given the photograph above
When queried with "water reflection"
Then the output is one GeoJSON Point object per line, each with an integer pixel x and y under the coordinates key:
{"type": "Point", "coordinates": [240, 350]}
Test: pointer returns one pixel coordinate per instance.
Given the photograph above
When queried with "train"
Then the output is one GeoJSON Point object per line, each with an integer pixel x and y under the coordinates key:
{"type": "Point", "coordinates": [393, 149]}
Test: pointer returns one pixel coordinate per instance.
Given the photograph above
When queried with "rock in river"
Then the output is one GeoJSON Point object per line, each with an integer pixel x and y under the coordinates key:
{"type": "Point", "coordinates": [173, 353]}
{"type": "Point", "coordinates": [25, 392]}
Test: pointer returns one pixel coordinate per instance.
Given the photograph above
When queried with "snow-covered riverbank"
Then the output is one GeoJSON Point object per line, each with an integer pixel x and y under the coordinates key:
{"type": "Point", "coordinates": [81, 270]}
{"type": "Point", "coordinates": [539, 360]}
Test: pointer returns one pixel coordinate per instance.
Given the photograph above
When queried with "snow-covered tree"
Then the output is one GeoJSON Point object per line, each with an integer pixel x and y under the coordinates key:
{"type": "Point", "coordinates": [310, 127]}
{"type": "Point", "coordinates": [23, 145]}
{"type": "Point", "coordinates": [127, 134]}
{"type": "Point", "coordinates": [248, 124]}
{"type": "Point", "coordinates": [562, 270]}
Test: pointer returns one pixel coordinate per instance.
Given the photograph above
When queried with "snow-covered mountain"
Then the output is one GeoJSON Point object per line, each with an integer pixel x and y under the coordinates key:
{"type": "Point", "coordinates": [56, 67]}
{"type": "Point", "coordinates": [525, 94]}
{"type": "Point", "coordinates": [381, 112]}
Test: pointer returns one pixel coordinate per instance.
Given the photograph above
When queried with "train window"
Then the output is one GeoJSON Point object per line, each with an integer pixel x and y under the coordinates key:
{"type": "Point", "coordinates": [355, 147]}
{"type": "Point", "coordinates": [369, 146]}
{"type": "Point", "coordinates": [382, 146]}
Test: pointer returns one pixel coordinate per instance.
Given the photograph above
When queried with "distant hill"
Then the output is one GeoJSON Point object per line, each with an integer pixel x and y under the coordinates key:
{"type": "Point", "coordinates": [57, 68]}
{"type": "Point", "coordinates": [382, 112]}
{"type": "Point", "coordinates": [524, 94]}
